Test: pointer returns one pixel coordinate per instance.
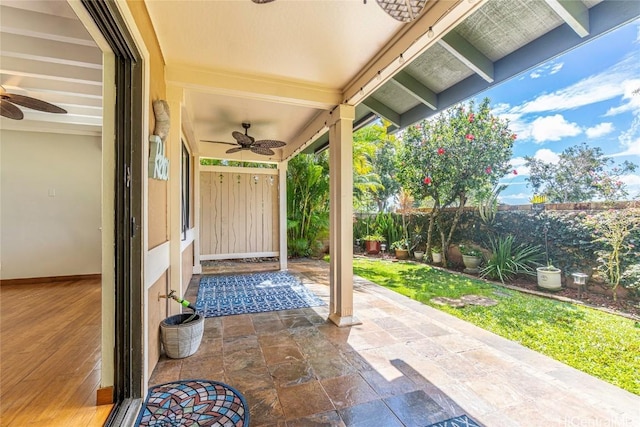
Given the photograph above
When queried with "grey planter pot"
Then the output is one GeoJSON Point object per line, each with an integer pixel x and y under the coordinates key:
{"type": "Point", "coordinates": [179, 339]}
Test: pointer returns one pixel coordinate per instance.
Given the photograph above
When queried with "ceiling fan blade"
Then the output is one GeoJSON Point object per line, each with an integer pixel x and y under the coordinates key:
{"type": "Point", "coordinates": [218, 142]}
{"type": "Point", "coordinates": [262, 150]}
{"type": "Point", "coordinates": [33, 103]}
{"type": "Point", "coordinates": [234, 150]}
{"type": "Point", "coordinates": [269, 143]}
{"type": "Point", "coordinates": [10, 111]}
{"type": "Point", "coordinates": [242, 139]}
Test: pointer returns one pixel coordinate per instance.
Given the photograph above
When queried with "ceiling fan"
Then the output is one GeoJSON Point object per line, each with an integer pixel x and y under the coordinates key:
{"type": "Point", "coordinates": [401, 10]}
{"type": "Point", "coordinates": [246, 142]}
{"type": "Point", "coordinates": [9, 110]}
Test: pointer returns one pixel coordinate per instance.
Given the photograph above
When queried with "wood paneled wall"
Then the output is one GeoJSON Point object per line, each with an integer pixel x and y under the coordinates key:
{"type": "Point", "coordinates": [238, 214]}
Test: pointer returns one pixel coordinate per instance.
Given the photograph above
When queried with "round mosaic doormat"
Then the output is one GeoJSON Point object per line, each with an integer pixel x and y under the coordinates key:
{"type": "Point", "coordinates": [194, 403]}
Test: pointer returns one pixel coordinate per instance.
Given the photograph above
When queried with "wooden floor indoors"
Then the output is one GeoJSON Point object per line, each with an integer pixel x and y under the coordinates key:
{"type": "Point", "coordinates": [50, 354]}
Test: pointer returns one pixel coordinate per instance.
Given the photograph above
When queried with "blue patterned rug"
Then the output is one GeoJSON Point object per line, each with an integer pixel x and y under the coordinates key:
{"type": "Point", "coordinates": [459, 421]}
{"type": "Point", "coordinates": [194, 403]}
{"type": "Point", "coordinates": [252, 293]}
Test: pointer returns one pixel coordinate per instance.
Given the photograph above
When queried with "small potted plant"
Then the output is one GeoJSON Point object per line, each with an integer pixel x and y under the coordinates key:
{"type": "Point", "coordinates": [402, 248]}
{"type": "Point", "coordinates": [372, 243]}
{"type": "Point", "coordinates": [418, 246]}
{"type": "Point", "coordinates": [436, 254]}
{"type": "Point", "coordinates": [549, 277]}
{"type": "Point", "coordinates": [471, 257]}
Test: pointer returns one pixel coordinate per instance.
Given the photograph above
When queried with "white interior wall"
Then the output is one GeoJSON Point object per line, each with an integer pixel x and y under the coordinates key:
{"type": "Point", "coordinates": [50, 204]}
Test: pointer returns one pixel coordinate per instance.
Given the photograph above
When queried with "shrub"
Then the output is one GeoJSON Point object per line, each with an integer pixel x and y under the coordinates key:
{"type": "Point", "coordinates": [299, 248]}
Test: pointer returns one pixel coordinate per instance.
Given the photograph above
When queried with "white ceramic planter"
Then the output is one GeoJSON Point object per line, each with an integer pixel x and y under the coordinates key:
{"type": "Point", "coordinates": [418, 255]}
{"type": "Point", "coordinates": [549, 278]}
{"type": "Point", "coordinates": [437, 257]}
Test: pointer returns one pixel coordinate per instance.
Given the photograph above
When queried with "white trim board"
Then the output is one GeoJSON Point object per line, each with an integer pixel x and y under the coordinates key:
{"type": "Point", "coordinates": [184, 244]}
{"type": "Point", "coordinates": [240, 256]}
{"type": "Point", "coordinates": [156, 263]}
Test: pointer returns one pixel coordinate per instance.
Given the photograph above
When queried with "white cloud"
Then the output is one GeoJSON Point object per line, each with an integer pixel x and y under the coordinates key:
{"type": "Point", "coordinates": [630, 139]}
{"type": "Point", "coordinates": [500, 108]}
{"type": "Point", "coordinates": [632, 183]}
{"type": "Point", "coordinates": [599, 87]}
{"type": "Point", "coordinates": [556, 68]}
{"type": "Point", "coordinates": [515, 199]}
{"type": "Point", "coordinates": [630, 100]}
{"type": "Point", "coordinates": [549, 68]}
{"type": "Point", "coordinates": [599, 130]}
{"type": "Point", "coordinates": [553, 128]}
{"type": "Point", "coordinates": [547, 156]}
{"type": "Point", "coordinates": [518, 164]}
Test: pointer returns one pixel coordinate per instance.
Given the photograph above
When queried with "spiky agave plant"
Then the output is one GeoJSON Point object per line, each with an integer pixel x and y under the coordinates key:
{"type": "Point", "coordinates": [509, 259]}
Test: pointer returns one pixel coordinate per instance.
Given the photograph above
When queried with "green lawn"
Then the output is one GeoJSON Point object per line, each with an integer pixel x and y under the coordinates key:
{"type": "Point", "coordinates": [601, 344]}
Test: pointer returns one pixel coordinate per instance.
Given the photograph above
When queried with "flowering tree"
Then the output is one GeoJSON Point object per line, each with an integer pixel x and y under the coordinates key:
{"type": "Point", "coordinates": [614, 229]}
{"type": "Point", "coordinates": [447, 158]}
{"type": "Point", "coordinates": [582, 174]}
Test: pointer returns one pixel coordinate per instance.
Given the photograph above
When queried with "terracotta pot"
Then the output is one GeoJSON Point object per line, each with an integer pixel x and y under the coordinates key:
{"type": "Point", "coordinates": [372, 247]}
{"type": "Point", "coordinates": [402, 253]}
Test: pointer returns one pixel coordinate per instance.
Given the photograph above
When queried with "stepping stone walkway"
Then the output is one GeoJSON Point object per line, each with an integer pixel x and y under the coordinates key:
{"type": "Point", "coordinates": [465, 300]}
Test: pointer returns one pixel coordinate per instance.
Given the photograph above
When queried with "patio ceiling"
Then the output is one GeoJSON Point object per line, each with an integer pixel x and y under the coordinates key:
{"type": "Point", "coordinates": [284, 65]}
{"type": "Point", "coordinates": [46, 53]}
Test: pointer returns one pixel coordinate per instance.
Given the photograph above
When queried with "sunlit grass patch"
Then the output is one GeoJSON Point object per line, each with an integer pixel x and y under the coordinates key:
{"type": "Point", "coordinates": [601, 344]}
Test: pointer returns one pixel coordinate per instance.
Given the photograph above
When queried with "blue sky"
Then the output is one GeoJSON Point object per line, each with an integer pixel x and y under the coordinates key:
{"type": "Point", "coordinates": [584, 95]}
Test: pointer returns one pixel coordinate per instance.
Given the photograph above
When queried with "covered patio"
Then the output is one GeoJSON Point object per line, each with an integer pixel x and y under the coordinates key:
{"type": "Point", "coordinates": [406, 365]}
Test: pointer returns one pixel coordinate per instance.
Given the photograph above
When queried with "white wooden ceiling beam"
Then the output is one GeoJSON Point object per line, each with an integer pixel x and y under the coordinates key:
{"type": "Point", "coordinates": [78, 99]}
{"type": "Point", "coordinates": [49, 127]}
{"type": "Point", "coordinates": [253, 86]}
{"type": "Point", "coordinates": [43, 26]}
{"type": "Point", "coordinates": [574, 13]}
{"type": "Point", "coordinates": [24, 84]}
{"type": "Point", "coordinates": [52, 51]}
{"type": "Point", "coordinates": [417, 89]}
{"type": "Point", "coordinates": [50, 71]}
{"type": "Point", "coordinates": [382, 110]}
{"type": "Point", "coordinates": [69, 118]}
{"type": "Point", "coordinates": [465, 52]}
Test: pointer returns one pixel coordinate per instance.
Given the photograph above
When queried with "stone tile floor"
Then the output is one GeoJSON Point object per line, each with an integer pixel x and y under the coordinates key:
{"type": "Point", "coordinates": [406, 365]}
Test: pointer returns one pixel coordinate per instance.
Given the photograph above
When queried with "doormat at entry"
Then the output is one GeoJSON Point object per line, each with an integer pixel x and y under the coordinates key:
{"type": "Point", "coordinates": [195, 403]}
{"type": "Point", "coordinates": [252, 293]}
{"type": "Point", "coordinates": [459, 421]}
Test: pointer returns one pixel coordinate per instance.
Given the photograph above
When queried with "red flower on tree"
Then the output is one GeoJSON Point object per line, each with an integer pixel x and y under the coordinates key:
{"type": "Point", "coordinates": [471, 118]}
{"type": "Point", "coordinates": [488, 169]}
{"type": "Point", "coordinates": [427, 180]}
{"type": "Point", "coordinates": [470, 137]}
{"type": "Point", "coordinates": [440, 151]}
{"type": "Point", "coordinates": [515, 172]}
{"type": "Point", "coordinates": [514, 136]}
